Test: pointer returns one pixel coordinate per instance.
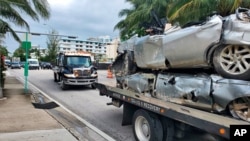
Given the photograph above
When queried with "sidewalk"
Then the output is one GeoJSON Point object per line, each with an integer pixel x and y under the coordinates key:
{"type": "Point", "coordinates": [20, 121]}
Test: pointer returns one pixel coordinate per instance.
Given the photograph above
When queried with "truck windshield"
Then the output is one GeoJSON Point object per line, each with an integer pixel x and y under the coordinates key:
{"type": "Point", "coordinates": [33, 62]}
{"type": "Point", "coordinates": [79, 61]}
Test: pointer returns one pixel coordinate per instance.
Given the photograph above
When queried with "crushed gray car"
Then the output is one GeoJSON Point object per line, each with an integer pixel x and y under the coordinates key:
{"type": "Point", "coordinates": [211, 93]}
{"type": "Point", "coordinates": [222, 43]}
{"type": "Point", "coordinates": [173, 66]}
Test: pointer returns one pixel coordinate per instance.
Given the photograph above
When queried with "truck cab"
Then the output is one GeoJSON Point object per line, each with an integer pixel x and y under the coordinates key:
{"type": "Point", "coordinates": [74, 68]}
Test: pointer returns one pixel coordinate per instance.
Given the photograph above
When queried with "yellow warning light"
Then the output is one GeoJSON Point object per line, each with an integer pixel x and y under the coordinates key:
{"type": "Point", "coordinates": [162, 111]}
{"type": "Point", "coordinates": [76, 73]}
{"type": "Point", "coordinates": [222, 131]}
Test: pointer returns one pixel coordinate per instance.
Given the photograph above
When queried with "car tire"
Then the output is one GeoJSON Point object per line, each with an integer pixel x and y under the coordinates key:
{"type": "Point", "coordinates": [233, 61]}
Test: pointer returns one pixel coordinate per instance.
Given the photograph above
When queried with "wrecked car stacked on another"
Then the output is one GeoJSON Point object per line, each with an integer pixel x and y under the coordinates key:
{"type": "Point", "coordinates": [175, 65]}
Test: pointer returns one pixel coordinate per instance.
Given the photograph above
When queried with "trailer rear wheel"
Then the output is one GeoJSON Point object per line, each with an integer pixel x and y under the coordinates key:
{"type": "Point", "coordinates": [147, 126]}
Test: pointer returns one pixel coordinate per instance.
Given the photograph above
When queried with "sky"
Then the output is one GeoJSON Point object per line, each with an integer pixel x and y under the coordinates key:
{"type": "Point", "coordinates": [81, 18]}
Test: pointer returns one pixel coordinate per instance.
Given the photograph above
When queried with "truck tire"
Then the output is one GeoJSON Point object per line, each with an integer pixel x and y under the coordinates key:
{"type": "Point", "coordinates": [146, 126]}
{"type": "Point", "coordinates": [62, 84]}
{"type": "Point", "coordinates": [55, 77]}
{"type": "Point", "coordinates": [92, 86]}
{"type": "Point", "coordinates": [168, 129]}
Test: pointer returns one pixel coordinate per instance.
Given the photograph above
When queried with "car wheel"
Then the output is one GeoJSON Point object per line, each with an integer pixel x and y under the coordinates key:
{"type": "Point", "coordinates": [240, 108]}
{"type": "Point", "coordinates": [233, 61]}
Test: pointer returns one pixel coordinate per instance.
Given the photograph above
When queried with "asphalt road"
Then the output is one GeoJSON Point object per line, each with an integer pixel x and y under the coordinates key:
{"type": "Point", "coordinates": [89, 105]}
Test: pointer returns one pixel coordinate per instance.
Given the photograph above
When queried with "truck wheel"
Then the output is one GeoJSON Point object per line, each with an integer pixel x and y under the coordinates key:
{"type": "Point", "coordinates": [62, 84]}
{"type": "Point", "coordinates": [146, 126]}
{"type": "Point", "coordinates": [92, 86]}
{"type": "Point", "coordinates": [168, 129]}
{"type": "Point", "coordinates": [55, 77]}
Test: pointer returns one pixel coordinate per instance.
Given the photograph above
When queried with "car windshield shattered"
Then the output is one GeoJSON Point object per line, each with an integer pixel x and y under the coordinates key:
{"type": "Point", "coordinates": [78, 61]}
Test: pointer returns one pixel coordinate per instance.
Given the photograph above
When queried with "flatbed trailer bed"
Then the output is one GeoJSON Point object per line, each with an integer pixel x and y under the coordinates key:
{"type": "Point", "coordinates": [212, 123]}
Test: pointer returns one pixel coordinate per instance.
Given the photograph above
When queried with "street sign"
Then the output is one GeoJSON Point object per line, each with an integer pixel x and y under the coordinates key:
{"type": "Point", "coordinates": [26, 44]}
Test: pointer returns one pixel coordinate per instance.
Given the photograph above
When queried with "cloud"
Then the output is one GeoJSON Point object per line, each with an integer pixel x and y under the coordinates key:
{"type": "Point", "coordinates": [85, 18]}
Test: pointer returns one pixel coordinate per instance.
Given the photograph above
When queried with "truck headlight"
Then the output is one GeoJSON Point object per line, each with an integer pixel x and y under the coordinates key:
{"type": "Point", "coordinates": [94, 74]}
{"type": "Point", "coordinates": [69, 75]}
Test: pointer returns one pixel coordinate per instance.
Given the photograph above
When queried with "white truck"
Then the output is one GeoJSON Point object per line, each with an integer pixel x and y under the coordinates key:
{"type": "Point", "coordinates": [33, 64]}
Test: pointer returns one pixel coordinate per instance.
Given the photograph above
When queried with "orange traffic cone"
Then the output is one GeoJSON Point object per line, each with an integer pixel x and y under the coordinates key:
{"type": "Point", "coordinates": [110, 74]}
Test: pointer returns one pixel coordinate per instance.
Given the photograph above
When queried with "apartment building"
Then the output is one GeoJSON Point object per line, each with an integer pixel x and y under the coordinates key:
{"type": "Point", "coordinates": [94, 45]}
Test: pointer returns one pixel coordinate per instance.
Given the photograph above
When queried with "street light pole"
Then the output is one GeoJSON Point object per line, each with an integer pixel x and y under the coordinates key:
{"type": "Point", "coordinates": [26, 62]}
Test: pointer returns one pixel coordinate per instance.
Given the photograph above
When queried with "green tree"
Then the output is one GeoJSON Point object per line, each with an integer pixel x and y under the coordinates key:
{"type": "Point", "coordinates": [138, 15]}
{"type": "Point", "coordinates": [20, 52]}
{"type": "Point", "coordinates": [3, 51]}
{"type": "Point", "coordinates": [52, 44]}
{"type": "Point", "coordinates": [184, 11]}
{"type": "Point", "coordinates": [175, 11]}
{"type": "Point", "coordinates": [11, 10]}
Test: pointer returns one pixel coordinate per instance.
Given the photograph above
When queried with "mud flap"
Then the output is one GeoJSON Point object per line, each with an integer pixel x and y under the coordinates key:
{"type": "Point", "coordinates": [129, 110]}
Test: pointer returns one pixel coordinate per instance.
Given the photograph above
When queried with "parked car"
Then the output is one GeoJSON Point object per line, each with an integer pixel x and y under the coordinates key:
{"type": "Point", "coordinates": [46, 65]}
{"type": "Point", "coordinates": [22, 64]}
{"type": "Point", "coordinates": [15, 65]}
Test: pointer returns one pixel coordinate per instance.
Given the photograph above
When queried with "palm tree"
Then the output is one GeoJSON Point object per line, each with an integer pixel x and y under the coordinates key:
{"type": "Point", "coordinates": [175, 11]}
{"type": "Point", "coordinates": [184, 11]}
{"type": "Point", "coordinates": [10, 12]}
{"type": "Point", "coordinates": [138, 15]}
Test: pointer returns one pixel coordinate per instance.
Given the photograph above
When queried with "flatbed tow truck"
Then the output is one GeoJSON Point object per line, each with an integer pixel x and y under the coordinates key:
{"type": "Point", "coordinates": [157, 120]}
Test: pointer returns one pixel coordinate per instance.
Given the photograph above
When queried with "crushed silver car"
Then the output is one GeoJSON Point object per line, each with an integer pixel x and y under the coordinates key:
{"type": "Point", "coordinates": [222, 43]}
{"type": "Point", "coordinates": [171, 66]}
{"type": "Point", "coordinates": [211, 93]}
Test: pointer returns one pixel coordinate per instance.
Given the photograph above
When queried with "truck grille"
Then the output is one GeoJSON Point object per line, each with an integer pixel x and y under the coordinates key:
{"type": "Point", "coordinates": [82, 72]}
